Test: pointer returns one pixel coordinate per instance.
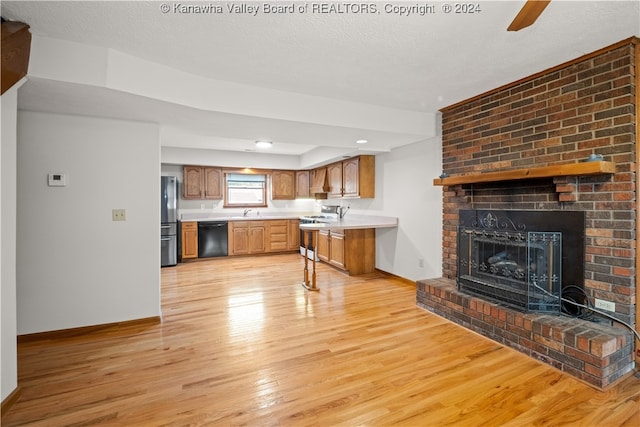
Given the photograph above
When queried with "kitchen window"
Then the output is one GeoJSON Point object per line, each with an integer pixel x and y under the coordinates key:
{"type": "Point", "coordinates": [245, 190]}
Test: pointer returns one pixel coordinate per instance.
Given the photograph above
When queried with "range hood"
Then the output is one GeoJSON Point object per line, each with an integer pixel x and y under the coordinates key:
{"type": "Point", "coordinates": [319, 183]}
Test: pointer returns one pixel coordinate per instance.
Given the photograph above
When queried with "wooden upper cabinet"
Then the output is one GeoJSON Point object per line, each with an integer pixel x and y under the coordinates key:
{"type": "Point", "coordinates": [353, 177]}
{"type": "Point", "coordinates": [334, 175]}
{"type": "Point", "coordinates": [358, 176]}
{"type": "Point", "coordinates": [213, 183]}
{"type": "Point", "coordinates": [202, 182]}
{"type": "Point", "coordinates": [303, 184]}
{"type": "Point", "coordinates": [192, 182]}
{"type": "Point", "coordinates": [283, 185]}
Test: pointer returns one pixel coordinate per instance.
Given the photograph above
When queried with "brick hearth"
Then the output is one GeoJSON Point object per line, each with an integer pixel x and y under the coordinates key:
{"type": "Point", "coordinates": [594, 353]}
{"type": "Point", "coordinates": [559, 116]}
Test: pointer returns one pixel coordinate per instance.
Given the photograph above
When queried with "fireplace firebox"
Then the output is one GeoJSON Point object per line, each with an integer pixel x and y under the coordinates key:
{"type": "Point", "coordinates": [521, 258]}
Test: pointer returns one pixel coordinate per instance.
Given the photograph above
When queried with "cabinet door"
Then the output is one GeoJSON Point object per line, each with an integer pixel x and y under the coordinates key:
{"type": "Point", "coordinates": [238, 238]}
{"type": "Point", "coordinates": [283, 185]}
{"type": "Point", "coordinates": [294, 234]}
{"type": "Point", "coordinates": [302, 184]}
{"type": "Point", "coordinates": [256, 237]}
{"type": "Point", "coordinates": [350, 172]}
{"type": "Point", "coordinates": [189, 240]}
{"type": "Point", "coordinates": [359, 177]}
{"type": "Point", "coordinates": [323, 245]}
{"type": "Point", "coordinates": [212, 183]}
{"type": "Point", "coordinates": [334, 172]}
{"type": "Point", "coordinates": [336, 249]}
{"type": "Point", "coordinates": [278, 235]}
{"type": "Point", "coordinates": [192, 182]}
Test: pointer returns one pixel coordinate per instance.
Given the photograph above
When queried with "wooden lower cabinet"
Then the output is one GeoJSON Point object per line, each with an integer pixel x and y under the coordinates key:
{"type": "Point", "coordinates": [294, 235]}
{"type": "Point", "coordinates": [246, 237]}
{"type": "Point", "coordinates": [189, 239]}
{"type": "Point", "coordinates": [351, 250]}
{"type": "Point", "coordinates": [255, 237]}
{"type": "Point", "coordinates": [278, 233]}
{"type": "Point", "coordinates": [322, 245]}
{"type": "Point", "coordinates": [336, 250]}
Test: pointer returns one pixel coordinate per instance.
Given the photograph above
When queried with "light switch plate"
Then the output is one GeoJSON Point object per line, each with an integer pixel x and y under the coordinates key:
{"type": "Point", "coordinates": [118, 215]}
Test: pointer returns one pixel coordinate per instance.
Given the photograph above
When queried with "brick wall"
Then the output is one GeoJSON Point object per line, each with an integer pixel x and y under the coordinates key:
{"type": "Point", "coordinates": [558, 116]}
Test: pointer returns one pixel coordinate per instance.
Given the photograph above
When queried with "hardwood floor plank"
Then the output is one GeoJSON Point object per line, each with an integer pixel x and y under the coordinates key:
{"type": "Point", "coordinates": [242, 343]}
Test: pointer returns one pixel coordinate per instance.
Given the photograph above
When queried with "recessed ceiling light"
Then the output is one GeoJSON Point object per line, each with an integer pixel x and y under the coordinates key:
{"type": "Point", "coordinates": [361, 141]}
{"type": "Point", "coordinates": [264, 144]}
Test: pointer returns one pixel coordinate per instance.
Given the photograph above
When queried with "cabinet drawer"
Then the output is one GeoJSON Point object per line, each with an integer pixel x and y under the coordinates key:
{"type": "Point", "coordinates": [278, 235]}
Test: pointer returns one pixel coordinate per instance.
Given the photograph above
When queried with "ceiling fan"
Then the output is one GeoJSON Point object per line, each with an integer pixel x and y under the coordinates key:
{"type": "Point", "coordinates": [528, 14]}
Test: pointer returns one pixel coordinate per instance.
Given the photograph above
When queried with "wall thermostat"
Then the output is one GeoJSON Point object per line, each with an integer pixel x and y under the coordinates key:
{"type": "Point", "coordinates": [57, 179]}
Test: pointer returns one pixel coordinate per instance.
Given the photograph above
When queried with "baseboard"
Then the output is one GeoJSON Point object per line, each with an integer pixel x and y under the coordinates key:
{"type": "Point", "coordinates": [400, 278]}
{"type": "Point", "coordinates": [72, 332]}
{"type": "Point", "coordinates": [8, 402]}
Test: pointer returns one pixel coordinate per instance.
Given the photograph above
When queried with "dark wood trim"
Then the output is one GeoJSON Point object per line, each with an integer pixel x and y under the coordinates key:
{"type": "Point", "coordinates": [631, 40]}
{"type": "Point", "coordinates": [8, 402]}
{"type": "Point", "coordinates": [83, 330]}
{"type": "Point", "coordinates": [15, 49]}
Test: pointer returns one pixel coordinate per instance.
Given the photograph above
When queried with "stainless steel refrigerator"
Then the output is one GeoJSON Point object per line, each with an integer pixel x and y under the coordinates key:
{"type": "Point", "coordinates": [168, 221]}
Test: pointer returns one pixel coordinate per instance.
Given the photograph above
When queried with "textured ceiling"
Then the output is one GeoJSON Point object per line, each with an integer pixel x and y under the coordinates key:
{"type": "Point", "coordinates": [418, 63]}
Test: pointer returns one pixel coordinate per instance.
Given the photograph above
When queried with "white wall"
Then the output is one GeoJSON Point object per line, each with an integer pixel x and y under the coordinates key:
{"type": "Point", "coordinates": [75, 266]}
{"type": "Point", "coordinates": [404, 189]}
{"type": "Point", "coordinates": [8, 328]}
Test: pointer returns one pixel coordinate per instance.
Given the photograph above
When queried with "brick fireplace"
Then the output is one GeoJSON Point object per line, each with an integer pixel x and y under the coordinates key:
{"type": "Point", "coordinates": [559, 118]}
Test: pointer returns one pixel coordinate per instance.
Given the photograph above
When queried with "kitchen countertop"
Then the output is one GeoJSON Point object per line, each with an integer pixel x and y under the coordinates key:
{"type": "Point", "coordinates": [350, 221]}
{"type": "Point", "coordinates": [354, 222]}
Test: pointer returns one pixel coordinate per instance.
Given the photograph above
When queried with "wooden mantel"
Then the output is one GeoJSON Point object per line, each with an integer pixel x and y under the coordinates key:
{"type": "Point", "coordinates": [584, 168]}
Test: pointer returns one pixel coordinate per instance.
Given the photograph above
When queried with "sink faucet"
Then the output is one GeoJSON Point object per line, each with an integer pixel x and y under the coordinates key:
{"type": "Point", "coordinates": [246, 211]}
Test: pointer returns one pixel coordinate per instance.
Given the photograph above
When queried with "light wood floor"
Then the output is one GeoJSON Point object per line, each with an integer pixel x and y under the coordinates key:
{"type": "Point", "coordinates": [242, 343]}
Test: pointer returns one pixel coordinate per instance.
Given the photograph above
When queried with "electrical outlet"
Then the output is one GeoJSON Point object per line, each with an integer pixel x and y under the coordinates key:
{"type": "Point", "coordinates": [605, 305]}
{"type": "Point", "coordinates": [118, 215]}
{"type": "Point", "coordinates": [421, 262]}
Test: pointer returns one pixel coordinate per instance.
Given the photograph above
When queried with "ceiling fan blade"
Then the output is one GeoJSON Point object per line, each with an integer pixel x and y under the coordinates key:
{"type": "Point", "coordinates": [528, 14]}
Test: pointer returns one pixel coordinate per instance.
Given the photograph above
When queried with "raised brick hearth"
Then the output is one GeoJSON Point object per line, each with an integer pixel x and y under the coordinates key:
{"type": "Point", "coordinates": [564, 115]}
{"type": "Point", "coordinates": [594, 353]}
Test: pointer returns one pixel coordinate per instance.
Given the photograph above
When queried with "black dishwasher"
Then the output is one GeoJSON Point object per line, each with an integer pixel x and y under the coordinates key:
{"type": "Point", "coordinates": [212, 239]}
